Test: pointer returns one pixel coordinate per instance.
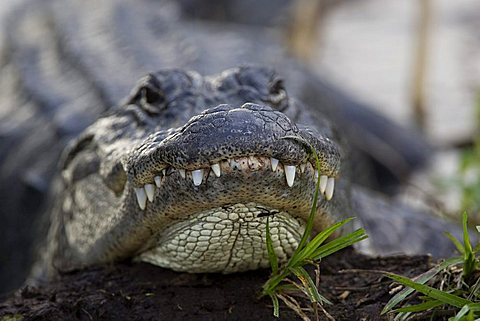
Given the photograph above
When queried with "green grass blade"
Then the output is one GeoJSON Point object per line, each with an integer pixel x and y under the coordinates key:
{"type": "Point", "coordinates": [433, 293]}
{"type": "Point", "coordinates": [309, 226]}
{"type": "Point", "coordinates": [313, 210]}
{"type": "Point", "coordinates": [402, 316]}
{"type": "Point", "coordinates": [423, 278]}
{"type": "Point", "coordinates": [477, 248]}
{"type": "Point", "coordinates": [421, 307]}
{"type": "Point", "coordinates": [470, 262]}
{"type": "Point", "coordinates": [474, 307]}
{"type": "Point", "coordinates": [272, 256]}
{"type": "Point", "coordinates": [276, 305]}
{"type": "Point", "coordinates": [311, 247]}
{"type": "Point", "coordinates": [466, 239]}
{"type": "Point", "coordinates": [456, 242]}
{"type": "Point", "coordinates": [309, 285]}
{"type": "Point", "coordinates": [339, 243]}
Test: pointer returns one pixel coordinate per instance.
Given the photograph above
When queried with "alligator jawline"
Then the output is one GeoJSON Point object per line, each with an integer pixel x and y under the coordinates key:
{"type": "Point", "coordinates": [218, 175]}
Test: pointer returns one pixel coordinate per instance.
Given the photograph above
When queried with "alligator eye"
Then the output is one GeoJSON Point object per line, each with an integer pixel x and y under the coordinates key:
{"type": "Point", "coordinates": [278, 95]}
{"type": "Point", "coordinates": [149, 95]}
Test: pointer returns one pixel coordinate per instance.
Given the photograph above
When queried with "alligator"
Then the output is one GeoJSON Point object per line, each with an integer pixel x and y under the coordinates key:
{"type": "Point", "coordinates": [173, 163]}
{"type": "Point", "coordinates": [188, 188]}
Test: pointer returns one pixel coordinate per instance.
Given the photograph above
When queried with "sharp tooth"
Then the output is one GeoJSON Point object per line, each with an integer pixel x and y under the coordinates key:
{"type": "Point", "coordinates": [141, 197]}
{"type": "Point", "coordinates": [274, 164]}
{"type": "Point", "coordinates": [197, 176]}
{"type": "Point", "coordinates": [290, 174]}
{"type": "Point", "coordinates": [158, 180]}
{"type": "Point", "coordinates": [164, 171]}
{"type": "Point", "coordinates": [150, 191]}
{"type": "Point", "coordinates": [302, 168]}
{"type": "Point", "coordinates": [323, 183]}
{"type": "Point", "coordinates": [182, 173]}
{"type": "Point", "coordinates": [330, 188]}
{"type": "Point", "coordinates": [216, 169]}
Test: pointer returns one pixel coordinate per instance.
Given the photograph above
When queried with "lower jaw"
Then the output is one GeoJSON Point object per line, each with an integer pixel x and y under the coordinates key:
{"type": "Point", "coordinates": [225, 239]}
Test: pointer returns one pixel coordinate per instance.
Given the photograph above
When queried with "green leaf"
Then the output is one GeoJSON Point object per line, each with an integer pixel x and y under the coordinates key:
{"type": "Point", "coordinates": [470, 262]}
{"type": "Point", "coordinates": [339, 243]}
{"type": "Point", "coordinates": [272, 256]}
{"type": "Point", "coordinates": [421, 307]}
{"type": "Point", "coordinates": [466, 239]}
{"type": "Point", "coordinates": [309, 285]}
{"type": "Point", "coordinates": [446, 298]}
{"type": "Point", "coordinates": [311, 247]}
{"type": "Point", "coordinates": [421, 279]}
{"type": "Point", "coordinates": [313, 208]}
{"type": "Point", "coordinates": [468, 308]}
{"type": "Point", "coordinates": [276, 305]}
{"type": "Point", "coordinates": [456, 242]}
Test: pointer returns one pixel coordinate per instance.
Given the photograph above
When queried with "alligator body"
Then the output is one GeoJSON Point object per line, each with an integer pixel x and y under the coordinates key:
{"type": "Point", "coordinates": [184, 172]}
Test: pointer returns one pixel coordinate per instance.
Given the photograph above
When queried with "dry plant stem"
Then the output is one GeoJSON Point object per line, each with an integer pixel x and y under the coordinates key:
{"type": "Point", "coordinates": [329, 317]}
{"type": "Point", "coordinates": [294, 305]}
{"type": "Point", "coordinates": [303, 30]}
{"type": "Point", "coordinates": [420, 63]}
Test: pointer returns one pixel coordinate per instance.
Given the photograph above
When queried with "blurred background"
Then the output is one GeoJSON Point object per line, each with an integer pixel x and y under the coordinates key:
{"type": "Point", "coordinates": [415, 61]}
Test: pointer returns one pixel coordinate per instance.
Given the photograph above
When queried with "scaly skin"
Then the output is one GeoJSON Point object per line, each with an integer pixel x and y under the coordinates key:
{"type": "Point", "coordinates": [140, 182]}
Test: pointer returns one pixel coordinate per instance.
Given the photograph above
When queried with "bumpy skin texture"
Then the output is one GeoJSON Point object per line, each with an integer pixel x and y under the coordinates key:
{"type": "Point", "coordinates": [175, 121]}
{"type": "Point", "coordinates": [65, 62]}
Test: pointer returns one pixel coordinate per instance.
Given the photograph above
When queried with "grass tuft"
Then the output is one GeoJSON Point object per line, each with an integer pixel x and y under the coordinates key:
{"type": "Point", "coordinates": [309, 251]}
{"type": "Point", "coordinates": [455, 286]}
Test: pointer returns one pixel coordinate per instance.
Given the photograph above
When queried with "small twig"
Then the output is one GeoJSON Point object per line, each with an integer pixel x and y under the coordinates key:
{"type": "Point", "coordinates": [329, 317]}
{"type": "Point", "coordinates": [293, 304]}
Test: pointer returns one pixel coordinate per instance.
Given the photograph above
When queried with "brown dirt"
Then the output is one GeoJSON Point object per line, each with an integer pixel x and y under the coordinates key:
{"type": "Point", "coordinates": [138, 291]}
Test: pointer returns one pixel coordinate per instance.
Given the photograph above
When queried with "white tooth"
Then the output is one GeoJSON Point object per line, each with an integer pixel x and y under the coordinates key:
{"type": "Point", "coordinates": [141, 197]}
{"type": "Point", "coordinates": [150, 191]}
{"type": "Point", "coordinates": [330, 188]}
{"type": "Point", "coordinates": [182, 173]}
{"type": "Point", "coordinates": [302, 168]}
{"type": "Point", "coordinates": [158, 180]}
{"type": "Point", "coordinates": [274, 164]}
{"type": "Point", "coordinates": [290, 174]}
{"type": "Point", "coordinates": [197, 176]}
{"type": "Point", "coordinates": [216, 169]}
{"type": "Point", "coordinates": [323, 183]}
{"type": "Point", "coordinates": [164, 171]}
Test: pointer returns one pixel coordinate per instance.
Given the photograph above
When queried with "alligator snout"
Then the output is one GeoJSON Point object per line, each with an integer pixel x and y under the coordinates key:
{"type": "Point", "coordinates": [225, 138]}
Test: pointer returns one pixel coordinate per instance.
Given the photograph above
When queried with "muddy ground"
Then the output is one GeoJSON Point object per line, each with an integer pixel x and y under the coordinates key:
{"type": "Point", "coordinates": [138, 291]}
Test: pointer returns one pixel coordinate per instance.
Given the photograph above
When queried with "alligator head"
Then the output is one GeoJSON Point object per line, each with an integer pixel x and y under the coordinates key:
{"type": "Point", "coordinates": [186, 172]}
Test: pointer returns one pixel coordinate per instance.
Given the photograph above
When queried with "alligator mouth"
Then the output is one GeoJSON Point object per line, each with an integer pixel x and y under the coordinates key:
{"type": "Point", "coordinates": [227, 154]}
{"type": "Point", "coordinates": [244, 166]}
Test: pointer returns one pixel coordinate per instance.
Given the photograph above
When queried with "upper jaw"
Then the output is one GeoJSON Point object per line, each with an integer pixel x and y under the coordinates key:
{"type": "Point", "coordinates": [225, 132]}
